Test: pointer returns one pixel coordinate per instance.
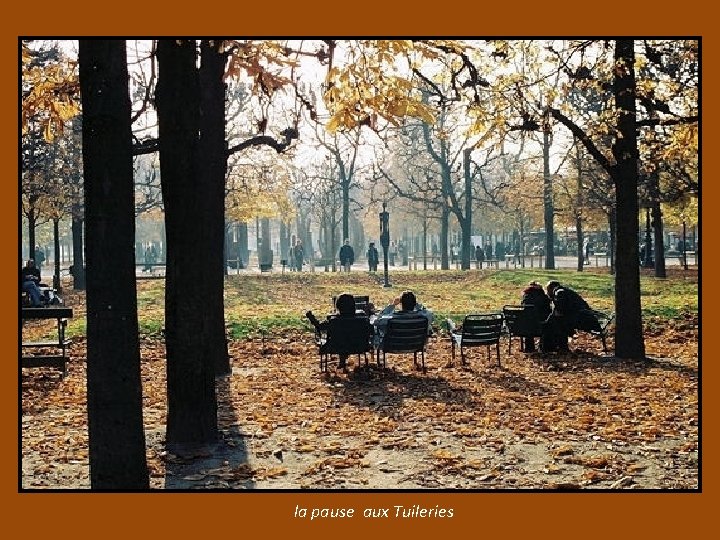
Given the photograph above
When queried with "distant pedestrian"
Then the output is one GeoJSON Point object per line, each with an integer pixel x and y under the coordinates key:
{"type": "Point", "coordinates": [299, 253]}
{"type": "Point", "coordinates": [588, 251]}
{"type": "Point", "coordinates": [393, 253]}
{"type": "Point", "coordinates": [346, 256]}
{"type": "Point", "coordinates": [373, 257]}
{"type": "Point", "coordinates": [39, 257]}
{"type": "Point", "coordinates": [148, 260]}
{"type": "Point", "coordinates": [479, 255]}
{"type": "Point", "coordinates": [291, 256]}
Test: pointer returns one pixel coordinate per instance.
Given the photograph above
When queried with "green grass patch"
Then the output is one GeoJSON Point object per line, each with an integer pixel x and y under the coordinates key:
{"type": "Point", "coordinates": [271, 303]}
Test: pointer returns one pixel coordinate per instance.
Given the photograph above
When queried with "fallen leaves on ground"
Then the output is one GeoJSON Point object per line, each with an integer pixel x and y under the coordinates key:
{"type": "Point", "coordinates": [564, 422]}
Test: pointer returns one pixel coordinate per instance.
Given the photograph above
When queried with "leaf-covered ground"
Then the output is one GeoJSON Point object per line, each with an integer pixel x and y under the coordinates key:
{"type": "Point", "coordinates": [572, 422]}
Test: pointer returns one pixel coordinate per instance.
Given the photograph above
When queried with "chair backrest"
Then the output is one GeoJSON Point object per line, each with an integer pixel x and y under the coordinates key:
{"type": "Point", "coordinates": [348, 335]}
{"type": "Point", "coordinates": [482, 329]}
{"type": "Point", "coordinates": [405, 334]}
{"type": "Point", "coordinates": [362, 303]}
{"type": "Point", "coordinates": [522, 321]}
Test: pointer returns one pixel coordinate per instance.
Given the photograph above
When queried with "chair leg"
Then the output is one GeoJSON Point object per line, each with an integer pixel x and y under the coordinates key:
{"type": "Point", "coordinates": [602, 336]}
{"type": "Point", "coordinates": [422, 354]}
{"type": "Point", "coordinates": [497, 350]}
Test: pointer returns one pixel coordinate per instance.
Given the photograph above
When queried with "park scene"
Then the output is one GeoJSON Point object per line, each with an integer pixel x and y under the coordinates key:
{"type": "Point", "coordinates": [345, 264]}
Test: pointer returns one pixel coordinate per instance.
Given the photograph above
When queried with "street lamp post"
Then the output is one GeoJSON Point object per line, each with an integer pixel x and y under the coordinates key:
{"type": "Point", "coordinates": [385, 240]}
{"type": "Point", "coordinates": [684, 243]}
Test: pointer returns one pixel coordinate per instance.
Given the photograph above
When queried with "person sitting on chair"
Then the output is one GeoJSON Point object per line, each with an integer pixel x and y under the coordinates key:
{"type": "Point", "coordinates": [345, 305]}
{"type": "Point", "coordinates": [409, 306]}
{"type": "Point", "coordinates": [30, 281]}
{"type": "Point", "coordinates": [570, 313]}
{"type": "Point", "coordinates": [534, 295]}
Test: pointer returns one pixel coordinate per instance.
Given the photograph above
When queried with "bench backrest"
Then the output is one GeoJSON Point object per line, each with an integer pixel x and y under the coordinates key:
{"type": "Point", "coordinates": [405, 334]}
{"type": "Point", "coordinates": [522, 321]}
{"type": "Point", "coordinates": [481, 329]}
{"type": "Point", "coordinates": [348, 335]}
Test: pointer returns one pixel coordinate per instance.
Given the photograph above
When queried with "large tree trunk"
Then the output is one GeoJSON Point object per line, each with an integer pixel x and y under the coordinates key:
{"type": "Point", "coordinates": [549, 210]}
{"type": "Point", "coordinates": [114, 387]}
{"type": "Point", "coordinates": [612, 225]}
{"type": "Point", "coordinates": [192, 403]}
{"type": "Point", "coordinates": [78, 254]}
{"type": "Point", "coordinates": [32, 224]}
{"type": "Point", "coordinates": [213, 168]}
{"type": "Point", "coordinates": [578, 211]}
{"type": "Point", "coordinates": [629, 332]}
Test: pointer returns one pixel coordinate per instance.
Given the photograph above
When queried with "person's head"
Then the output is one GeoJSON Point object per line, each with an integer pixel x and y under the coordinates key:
{"type": "Point", "coordinates": [345, 304]}
{"type": "Point", "coordinates": [372, 244]}
{"type": "Point", "coordinates": [299, 242]}
{"type": "Point", "coordinates": [551, 286]}
{"type": "Point", "coordinates": [30, 263]}
{"type": "Point", "coordinates": [347, 241]}
{"type": "Point", "coordinates": [408, 301]}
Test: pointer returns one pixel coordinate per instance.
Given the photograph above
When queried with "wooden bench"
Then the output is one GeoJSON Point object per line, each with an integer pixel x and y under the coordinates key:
{"type": "Point", "coordinates": [58, 361]}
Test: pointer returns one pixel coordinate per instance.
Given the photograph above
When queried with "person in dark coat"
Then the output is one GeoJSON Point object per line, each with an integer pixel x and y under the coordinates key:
{"type": "Point", "coordinates": [373, 257]}
{"type": "Point", "coordinates": [479, 255]}
{"type": "Point", "coordinates": [299, 254]}
{"type": "Point", "coordinates": [534, 295]}
{"type": "Point", "coordinates": [345, 305]}
{"type": "Point", "coordinates": [346, 256]}
{"type": "Point", "coordinates": [30, 282]}
{"type": "Point", "coordinates": [570, 313]}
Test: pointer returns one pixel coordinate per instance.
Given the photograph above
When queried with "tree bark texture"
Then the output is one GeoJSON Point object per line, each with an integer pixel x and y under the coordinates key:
{"type": "Point", "coordinates": [549, 210]}
{"type": "Point", "coordinates": [192, 402]}
{"type": "Point", "coordinates": [114, 387]}
{"type": "Point", "coordinates": [78, 254]}
{"type": "Point", "coordinates": [629, 341]}
{"type": "Point", "coordinates": [213, 169]}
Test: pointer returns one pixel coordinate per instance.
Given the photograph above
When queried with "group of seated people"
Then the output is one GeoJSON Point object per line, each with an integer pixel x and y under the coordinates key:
{"type": "Point", "coordinates": [405, 305]}
{"type": "Point", "coordinates": [562, 312]}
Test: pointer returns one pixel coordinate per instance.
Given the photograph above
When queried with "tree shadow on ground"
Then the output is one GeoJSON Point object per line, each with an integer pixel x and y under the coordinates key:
{"type": "Point", "coordinates": [385, 389]}
{"type": "Point", "coordinates": [220, 466]}
{"type": "Point", "coordinates": [581, 360]}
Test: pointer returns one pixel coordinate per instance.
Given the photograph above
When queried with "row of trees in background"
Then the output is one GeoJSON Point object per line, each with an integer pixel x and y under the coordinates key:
{"type": "Point", "coordinates": [457, 130]}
